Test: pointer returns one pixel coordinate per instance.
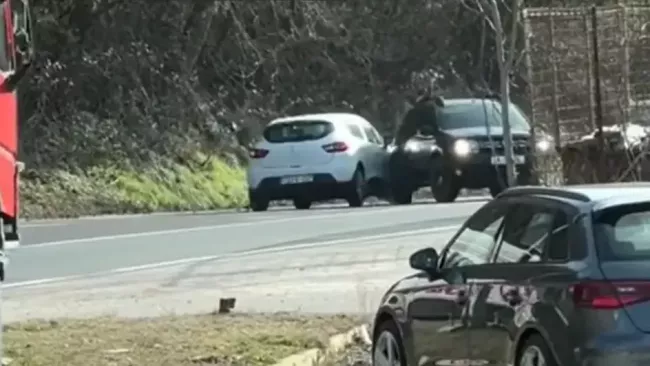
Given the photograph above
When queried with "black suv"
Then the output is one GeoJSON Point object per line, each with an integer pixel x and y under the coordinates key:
{"type": "Point", "coordinates": [449, 144]}
{"type": "Point", "coordinates": [538, 276]}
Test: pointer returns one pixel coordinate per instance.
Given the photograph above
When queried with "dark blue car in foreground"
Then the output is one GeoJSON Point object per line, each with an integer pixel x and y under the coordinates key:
{"type": "Point", "coordinates": [537, 277]}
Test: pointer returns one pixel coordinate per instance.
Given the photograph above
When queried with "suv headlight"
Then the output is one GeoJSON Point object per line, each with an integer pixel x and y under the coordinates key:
{"type": "Point", "coordinates": [465, 147]}
{"type": "Point", "coordinates": [544, 145]}
{"type": "Point", "coordinates": [411, 146]}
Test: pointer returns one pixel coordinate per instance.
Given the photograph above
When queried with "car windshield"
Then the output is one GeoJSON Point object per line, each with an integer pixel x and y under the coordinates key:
{"type": "Point", "coordinates": [297, 131]}
{"type": "Point", "coordinates": [623, 233]}
{"type": "Point", "coordinates": [474, 114]}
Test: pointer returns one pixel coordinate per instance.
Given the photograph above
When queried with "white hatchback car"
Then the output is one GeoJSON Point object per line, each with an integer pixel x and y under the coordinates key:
{"type": "Point", "coordinates": [317, 157]}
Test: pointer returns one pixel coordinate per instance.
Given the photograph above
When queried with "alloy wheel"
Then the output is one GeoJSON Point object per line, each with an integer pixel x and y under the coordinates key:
{"type": "Point", "coordinates": [532, 356]}
{"type": "Point", "coordinates": [386, 351]}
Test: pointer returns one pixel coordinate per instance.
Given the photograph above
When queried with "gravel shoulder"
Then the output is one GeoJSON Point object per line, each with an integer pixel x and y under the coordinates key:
{"type": "Point", "coordinates": [214, 339]}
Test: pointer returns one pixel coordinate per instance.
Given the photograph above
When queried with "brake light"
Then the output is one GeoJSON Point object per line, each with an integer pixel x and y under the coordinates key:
{"type": "Point", "coordinates": [258, 153]}
{"type": "Point", "coordinates": [610, 295]}
{"type": "Point", "coordinates": [335, 147]}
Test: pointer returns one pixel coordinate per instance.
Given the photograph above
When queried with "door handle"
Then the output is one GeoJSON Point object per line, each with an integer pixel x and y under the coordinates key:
{"type": "Point", "coordinates": [513, 297]}
{"type": "Point", "coordinates": [462, 297]}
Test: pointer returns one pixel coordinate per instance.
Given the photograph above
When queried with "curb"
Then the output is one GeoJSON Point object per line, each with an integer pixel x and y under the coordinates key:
{"type": "Point", "coordinates": [336, 344]}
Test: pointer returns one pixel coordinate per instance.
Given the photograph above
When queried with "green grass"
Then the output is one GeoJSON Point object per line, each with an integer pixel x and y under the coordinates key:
{"type": "Point", "coordinates": [201, 184]}
{"type": "Point", "coordinates": [181, 340]}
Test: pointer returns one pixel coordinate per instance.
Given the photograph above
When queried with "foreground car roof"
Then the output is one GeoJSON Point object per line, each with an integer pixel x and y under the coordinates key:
{"type": "Point", "coordinates": [602, 195]}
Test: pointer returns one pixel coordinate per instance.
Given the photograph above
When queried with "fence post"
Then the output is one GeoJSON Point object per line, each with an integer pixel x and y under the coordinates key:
{"type": "Point", "coordinates": [556, 107]}
{"type": "Point", "coordinates": [598, 93]}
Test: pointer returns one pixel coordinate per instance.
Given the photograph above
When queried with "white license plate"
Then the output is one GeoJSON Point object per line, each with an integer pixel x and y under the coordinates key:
{"type": "Point", "coordinates": [501, 160]}
{"type": "Point", "coordinates": [297, 179]}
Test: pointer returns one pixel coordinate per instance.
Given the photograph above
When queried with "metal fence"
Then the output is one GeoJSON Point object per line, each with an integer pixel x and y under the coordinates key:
{"type": "Point", "coordinates": [588, 70]}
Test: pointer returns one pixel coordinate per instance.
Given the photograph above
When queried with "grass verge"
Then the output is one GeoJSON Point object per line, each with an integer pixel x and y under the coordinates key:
{"type": "Point", "coordinates": [200, 184]}
{"type": "Point", "coordinates": [246, 340]}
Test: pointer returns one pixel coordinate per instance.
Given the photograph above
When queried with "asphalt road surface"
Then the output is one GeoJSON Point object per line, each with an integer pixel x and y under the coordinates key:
{"type": "Point", "coordinates": [177, 253]}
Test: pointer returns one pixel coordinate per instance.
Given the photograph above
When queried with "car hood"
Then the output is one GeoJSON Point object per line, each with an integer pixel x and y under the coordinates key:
{"type": "Point", "coordinates": [482, 131]}
{"type": "Point", "coordinates": [410, 282]}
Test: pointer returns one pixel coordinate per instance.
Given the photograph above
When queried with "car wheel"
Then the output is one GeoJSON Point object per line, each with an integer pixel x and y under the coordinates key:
{"type": "Point", "coordinates": [525, 177]}
{"type": "Point", "coordinates": [401, 194]}
{"type": "Point", "coordinates": [445, 186]}
{"type": "Point", "coordinates": [495, 189]}
{"type": "Point", "coordinates": [356, 189]}
{"type": "Point", "coordinates": [302, 203]}
{"type": "Point", "coordinates": [387, 347]}
{"type": "Point", "coordinates": [257, 203]}
{"type": "Point", "coordinates": [535, 352]}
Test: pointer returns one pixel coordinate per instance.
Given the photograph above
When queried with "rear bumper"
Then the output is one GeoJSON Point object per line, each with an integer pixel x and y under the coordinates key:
{"type": "Point", "coordinates": [621, 350]}
{"type": "Point", "coordinates": [615, 358]}
{"type": "Point", "coordinates": [339, 170]}
{"type": "Point", "coordinates": [324, 187]}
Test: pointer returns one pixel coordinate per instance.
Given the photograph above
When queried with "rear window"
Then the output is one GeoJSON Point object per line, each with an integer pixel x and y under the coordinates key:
{"type": "Point", "coordinates": [297, 131]}
{"type": "Point", "coordinates": [623, 233]}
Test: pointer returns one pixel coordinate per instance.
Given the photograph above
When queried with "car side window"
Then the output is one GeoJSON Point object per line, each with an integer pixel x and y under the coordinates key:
{"type": "Point", "coordinates": [476, 242]}
{"type": "Point", "coordinates": [380, 140]}
{"type": "Point", "coordinates": [356, 131]}
{"type": "Point", "coordinates": [534, 234]}
{"type": "Point", "coordinates": [371, 136]}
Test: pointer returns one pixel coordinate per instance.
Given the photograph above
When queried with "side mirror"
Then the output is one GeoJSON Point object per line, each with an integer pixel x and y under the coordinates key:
{"type": "Point", "coordinates": [425, 260]}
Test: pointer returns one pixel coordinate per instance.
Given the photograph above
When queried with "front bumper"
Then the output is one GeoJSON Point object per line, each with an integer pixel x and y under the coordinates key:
{"type": "Point", "coordinates": [478, 171]}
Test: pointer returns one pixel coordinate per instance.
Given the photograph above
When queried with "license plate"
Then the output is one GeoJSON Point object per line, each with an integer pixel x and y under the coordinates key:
{"type": "Point", "coordinates": [501, 160]}
{"type": "Point", "coordinates": [297, 179]}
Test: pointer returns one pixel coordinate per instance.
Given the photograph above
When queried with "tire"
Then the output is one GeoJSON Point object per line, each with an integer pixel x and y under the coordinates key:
{"type": "Point", "coordinates": [385, 333]}
{"type": "Point", "coordinates": [400, 187]}
{"type": "Point", "coordinates": [356, 189]}
{"type": "Point", "coordinates": [525, 177]}
{"type": "Point", "coordinates": [535, 346]}
{"type": "Point", "coordinates": [445, 186]}
{"type": "Point", "coordinates": [401, 194]}
{"type": "Point", "coordinates": [258, 204]}
{"type": "Point", "coordinates": [301, 203]}
{"type": "Point", "coordinates": [495, 189]}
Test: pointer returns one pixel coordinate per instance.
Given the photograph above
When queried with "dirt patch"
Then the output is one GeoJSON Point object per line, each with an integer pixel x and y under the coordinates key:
{"type": "Point", "coordinates": [246, 340]}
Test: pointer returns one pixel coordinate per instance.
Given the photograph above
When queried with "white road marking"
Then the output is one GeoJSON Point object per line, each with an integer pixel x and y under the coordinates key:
{"type": "Point", "coordinates": [157, 265]}
{"type": "Point", "coordinates": [43, 224]}
{"type": "Point", "coordinates": [213, 227]}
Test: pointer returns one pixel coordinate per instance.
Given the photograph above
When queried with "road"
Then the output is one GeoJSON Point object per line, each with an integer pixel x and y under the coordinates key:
{"type": "Point", "coordinates": [111, 256]}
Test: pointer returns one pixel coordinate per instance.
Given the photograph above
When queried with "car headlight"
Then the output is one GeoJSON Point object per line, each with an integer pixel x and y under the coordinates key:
{"type": "Point", "coordinates": [465, 147]}
{"type": "Point", "coordinates": [544, 145]}
{"type": "Point", "coordinates": [411, 146]}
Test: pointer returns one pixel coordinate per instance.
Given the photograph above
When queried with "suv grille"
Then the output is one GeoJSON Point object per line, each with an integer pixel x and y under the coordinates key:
{"type": "Point", "coordinates": [520, 145]}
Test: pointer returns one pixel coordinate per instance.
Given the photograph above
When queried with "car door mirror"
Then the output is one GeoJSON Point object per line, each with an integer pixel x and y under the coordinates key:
{"type": "Point", "coordinates": [425, 260]}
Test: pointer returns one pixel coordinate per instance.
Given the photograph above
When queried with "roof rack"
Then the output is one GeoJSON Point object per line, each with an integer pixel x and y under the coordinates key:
{"type": "Point", "coordinates": [548, 191]}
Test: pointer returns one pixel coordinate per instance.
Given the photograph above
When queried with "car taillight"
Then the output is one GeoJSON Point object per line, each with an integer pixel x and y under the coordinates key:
{"type": "Point", "coordinates": [335, 147]}
{"type": "Point", "coordinates": [258, 153]}
{"type": "Point", "coordinates": [610, 295]}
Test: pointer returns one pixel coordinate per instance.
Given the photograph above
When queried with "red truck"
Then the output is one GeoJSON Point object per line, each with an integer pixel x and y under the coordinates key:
{"type": "Point", "coordinates": [16, 55]}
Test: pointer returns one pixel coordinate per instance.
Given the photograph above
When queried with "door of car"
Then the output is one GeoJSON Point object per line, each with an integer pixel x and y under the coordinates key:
{"type": "Point", "coordinates": [438, 312]}
{"type": "Point", "coordinates": [365, 151]}
{"type": "Point", "coordinates": [531, 248]}
{"type": "Point", "coordinates": [376, 149]}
